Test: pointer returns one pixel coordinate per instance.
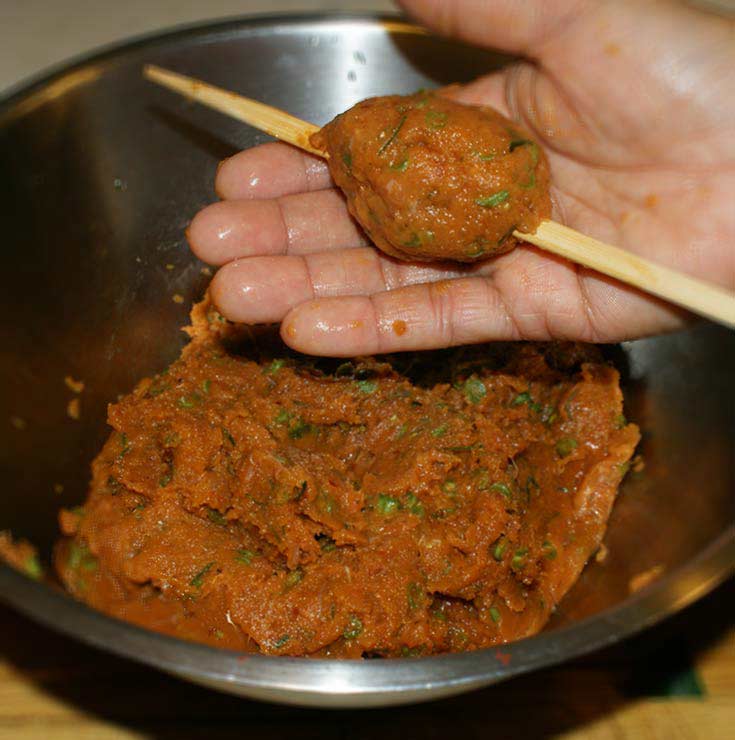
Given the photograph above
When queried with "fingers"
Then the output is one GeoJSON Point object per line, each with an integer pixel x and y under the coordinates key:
{"type": "Point", "coordinates": [528, 297]}
{"type": "Point", "coordinates": [418, 317]}
{"type": "Point", "coordinates": [270, 171]}
{"type": "Point", "coordinates": [293, 224]}
{"type": "Point", "coordinates": [265, 289]}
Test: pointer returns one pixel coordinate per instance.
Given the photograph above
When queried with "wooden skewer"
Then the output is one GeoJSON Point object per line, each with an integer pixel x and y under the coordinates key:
{"type": "Point", "coordinates": [696, 295]}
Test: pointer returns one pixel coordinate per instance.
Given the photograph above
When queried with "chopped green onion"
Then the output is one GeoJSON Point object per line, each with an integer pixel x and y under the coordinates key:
{"type": "Point", "coordinates": [521, 398]}
{"type": "Point", "coordinates": [206, 385]}
{"type": "Point", "coordinates": [347, 160]}
{"type": "Point", "coordinates": [401, 166]}
{"type": "Point", "coordinates": [353, 629]}
{"type": "Point", "coordinates": [474, 390]}
{"type": "Point", "coordinates": [435, 119]}
{"type": "Point", "coordinates": [532, 146]}
{"type": "Point", "coordinates": [413, 504]}
{"type": "Point", "coordinates": [281, 641]}
{"type": "Point", "coordinates": [216, 517]}
{"type": "Point", "coordinates": [415, 595]}
{"type": "Point", "coordinates": [439, 431]}
{"type": "Point", "coordinates": [228, 437]}
{"type": "Point", "coordinates": [299, 429]}
{"type": "Point", "coordinates": [275, 366]}
{"type": "Point", "coordinates": [393, 135]}
{"type": "Point", "coordinates": [414, 241]}
{"type": "Point", "coordinates": [189, 401]}
{"type": "Point", "coordinates": [294, 577]}
{"type": "Point", "coordinates": [32, 567]}
{"type": "Point", "coordinates": [449, 486]}
{"type": "Point", "coordinates": [531, 183]}
{"type": "Point", "coordinates": [387, 504]}
{"type": "Point", "coordinates": [245, 556]}
{"type": "Point", "coordinates": [198, 579]}
{"type": "Point", "coordinates": [491, 201]}
{"type": "Point", "coordinates": [499, 549]}
{"type": "Point", "coordinates": [519, 559]}
{"type": "Point", "coordinates": [494, 614]}
{"type": "Point", "coordinates": [549, 550]}
{"type": "Point", "coordinates": [367, 386]}
{"type": "Point", "coordinates": [565, 446]}
{"type": "Point", "coordinates": [501, 488]}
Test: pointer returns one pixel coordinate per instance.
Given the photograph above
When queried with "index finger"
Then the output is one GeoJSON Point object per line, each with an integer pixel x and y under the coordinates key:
{"type": "Point", "coordinates": [270, 171]}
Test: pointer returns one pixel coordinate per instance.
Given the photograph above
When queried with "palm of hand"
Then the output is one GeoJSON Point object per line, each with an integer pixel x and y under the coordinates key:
{"type": "Point", "coordinates": [657, 178]}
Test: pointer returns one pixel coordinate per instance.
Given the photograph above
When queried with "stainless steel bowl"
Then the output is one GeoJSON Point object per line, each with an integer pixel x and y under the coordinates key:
{"type": "Point", "coordinates": [102, 172]}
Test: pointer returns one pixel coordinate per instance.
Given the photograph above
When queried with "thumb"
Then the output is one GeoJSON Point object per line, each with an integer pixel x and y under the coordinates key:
{"type": "Point", "coordinates": [517, 26]}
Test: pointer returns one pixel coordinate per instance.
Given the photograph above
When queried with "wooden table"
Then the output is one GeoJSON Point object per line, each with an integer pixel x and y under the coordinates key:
{"type": "Point", "coordinates": [675, 681]}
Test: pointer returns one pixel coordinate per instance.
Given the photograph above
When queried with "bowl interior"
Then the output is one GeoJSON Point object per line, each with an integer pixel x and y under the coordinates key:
{"type": "Point", "coordinates": [103, 171]}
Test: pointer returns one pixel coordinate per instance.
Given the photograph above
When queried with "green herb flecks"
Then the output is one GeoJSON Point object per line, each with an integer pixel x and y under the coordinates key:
{"type": "Point", "coordinates": [521, 398]}
{"type": "Point", "coordinates": [530, 183]}
{"type": "Point", "coordinates": [503, 489]}
{"type": "Point", "coordinates": [326, 544]}
{"type": "Point", "coordinates": [499, 549]}
{"type": "Point", "coordinates": [413, 504]}
{"type": "Point", "coordinates": [439, 431]}
{"type": "Point", "coordinates": [494, 200]}
{"type": "Point", "coordinates": [80, 558]}
{"type": "Point", "coordinates": [401, 166]}
{"type": "Point", "coordinates": [367, 386]}
{"type": "Point", "coordinates": [32, 567]}
{"type": "Point", "coordinates": [275, 366]}
{"type": "Point", "coordinates": [518, 561]}
{"type": "Point", "coordinates": [494, 614]}
{"type": "Point", "coordinates": [414, 596]}
{"type": "Point", "coordinates": [166, 477]}
{"type": "Point", "coordinates": [227, 436]}
{"type": "Point", "coordinates": [414, 241]}
{"type": "Point", "coordinates": [474, 390]}
{"type": "Point", "coordinates": [436, 119]}
{"type": "Point", "coordinates": [294, 577]}
{"type": "Point", "coordinates": [245, 556]}
{"type": "Point", "coordinates": [393, 134]}
{"type": "Point", "coordinates": [216, 517]}
{"type": "Point", "coordinates": [387, 504]}
{"type": "Point", "coordinates": [620, 421]}
{"type": "Point", "coordinates": [565, 446]}
{"type": "Point", "coordinates": [206, 385]}
{"type": "Point", "coordinates": [549, 550]}
{"type": "Point", "coordinates": [353, 629]}
{"type": "Point", "coordinates": [188, 402]}
{"type": "Point", "coordinates": [198, 579]}
{"type": "Point", "coordinates": [299, 429]}
{"type": "Point", "coordinates": [347, 160]}
{"type": "Point", "coordinates": [281, 642]}
{"type": "Point", "coordinates": [532, 148]}
{"type": "Point", "coordinates": [124, 446]}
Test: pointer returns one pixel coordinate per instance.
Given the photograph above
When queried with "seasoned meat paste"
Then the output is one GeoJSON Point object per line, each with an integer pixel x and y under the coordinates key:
{"type": "Point", "coordinates": [432, 179]}
{"type": "Point", "coordinates": [406, 505]}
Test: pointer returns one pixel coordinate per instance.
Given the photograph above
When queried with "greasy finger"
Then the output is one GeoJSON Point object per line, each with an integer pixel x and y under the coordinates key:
{"type": "Point", "coordinates": [426, 316]}
{"type": "Point", "coordinates": [269, 171]}
{"type": "Point", "coordinates": [264, 289]}
{"type": "Point", "coordinates": [293, 224]}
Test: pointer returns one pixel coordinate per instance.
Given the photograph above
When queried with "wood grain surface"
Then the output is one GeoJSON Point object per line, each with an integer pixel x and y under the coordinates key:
{"type": "Point", "coordinates": [674, 681]}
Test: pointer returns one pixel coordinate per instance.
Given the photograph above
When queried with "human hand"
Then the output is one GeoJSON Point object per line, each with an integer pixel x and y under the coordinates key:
{"type": "Point", "coordinates": [633, 103]}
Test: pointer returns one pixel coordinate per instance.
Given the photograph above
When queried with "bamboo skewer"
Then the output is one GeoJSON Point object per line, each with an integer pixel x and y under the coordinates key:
{"type": "Point", "coordinates": [696, 295]}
